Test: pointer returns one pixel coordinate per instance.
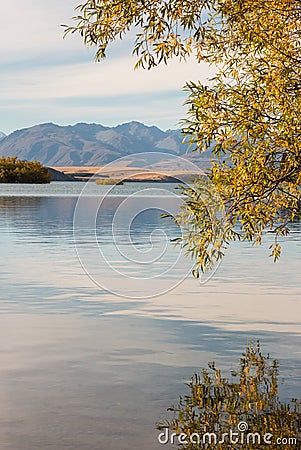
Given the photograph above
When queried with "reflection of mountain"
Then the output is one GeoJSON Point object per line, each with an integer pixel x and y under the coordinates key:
{"type": "Point", "coordinates": [39, 216]}
{"type": "Point", "coordinates": [51, 218]}
{"type": "Point", "coordinates": [89, 144]}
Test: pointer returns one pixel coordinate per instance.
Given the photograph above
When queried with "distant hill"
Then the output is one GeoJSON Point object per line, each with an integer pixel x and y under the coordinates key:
{"type": "Point", "coordinates": [88, 144]}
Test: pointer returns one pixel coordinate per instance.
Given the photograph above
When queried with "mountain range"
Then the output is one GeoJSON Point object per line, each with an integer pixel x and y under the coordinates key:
{"type": "Point", "coordinates": [88, 144]}
{"type": "Point", "coordinates": [2, 135]}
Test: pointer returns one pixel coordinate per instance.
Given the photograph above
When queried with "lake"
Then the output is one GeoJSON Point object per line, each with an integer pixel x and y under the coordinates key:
{"type": "Point", "coordinates": [102, 324]}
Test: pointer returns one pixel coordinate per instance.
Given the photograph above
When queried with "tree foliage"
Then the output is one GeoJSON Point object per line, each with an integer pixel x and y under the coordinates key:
{"type": "Point", "coordinates": [249, 115]}
{"type": "Point", "coordinates": [13, 170]}
{"type": "Point", "coordinates": [248, 403]}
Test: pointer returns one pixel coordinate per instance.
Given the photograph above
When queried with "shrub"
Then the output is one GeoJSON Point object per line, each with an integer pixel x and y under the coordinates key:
{"type": "Point", "coordinates": [14, 170]}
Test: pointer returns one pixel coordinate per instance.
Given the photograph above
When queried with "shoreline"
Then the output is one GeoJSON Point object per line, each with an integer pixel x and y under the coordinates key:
{"type": "Point", "coordinates": [127, 174]}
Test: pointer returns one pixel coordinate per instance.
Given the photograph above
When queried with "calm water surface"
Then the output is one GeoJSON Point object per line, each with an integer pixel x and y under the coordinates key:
{"type": "Point", "coordinates": [84, 369]}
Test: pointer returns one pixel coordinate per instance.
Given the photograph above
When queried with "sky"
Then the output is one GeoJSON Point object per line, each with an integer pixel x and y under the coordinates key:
{"type": "Point", "coordinates": [45, 78]}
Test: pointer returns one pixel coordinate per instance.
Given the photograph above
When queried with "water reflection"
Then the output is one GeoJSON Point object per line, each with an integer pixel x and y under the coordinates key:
{"type": "Point", "coordinates": [241, 411]}
{"type": "Point", "coordinates": [85, 370]}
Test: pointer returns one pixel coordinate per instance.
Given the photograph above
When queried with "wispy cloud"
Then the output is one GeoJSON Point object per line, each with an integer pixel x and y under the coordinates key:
{"type": "Point", "coordinates": [106, 79]}
{"type": "Point", "coordinates": [32, 29]}
{"type": "Point", "coordinates": [44, 77]}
